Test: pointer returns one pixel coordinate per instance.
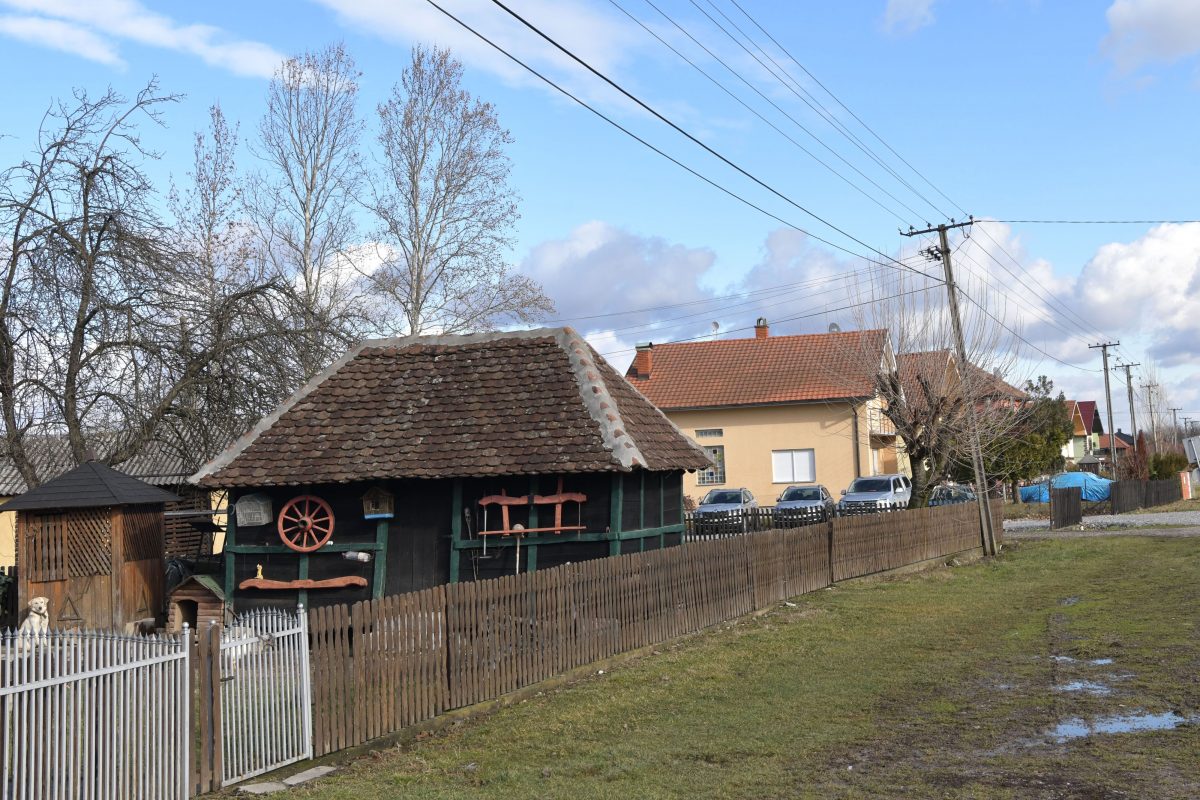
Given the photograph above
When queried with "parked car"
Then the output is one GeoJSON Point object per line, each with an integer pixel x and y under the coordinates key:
{"type": "Point", "coordinates": [951, 494]}
{"type": "Point", "coordinates": [876, 493]}
{"type": "Point", "coordinates": [721, 507]}
{"type": "Point", "coordinates": [805, 503]}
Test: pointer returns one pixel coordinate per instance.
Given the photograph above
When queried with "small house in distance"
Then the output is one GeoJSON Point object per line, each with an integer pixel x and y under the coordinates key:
{"type": "Point", "coordinates": [91, 542]}
{"type": "Point", "coordinates": [417, 461]}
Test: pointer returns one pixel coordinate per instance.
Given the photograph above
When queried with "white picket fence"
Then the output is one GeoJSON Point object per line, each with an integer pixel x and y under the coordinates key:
{"type": "Point", "coordinates": [266, 693]}
{"type": "Point", "coordinates": [89, 714]}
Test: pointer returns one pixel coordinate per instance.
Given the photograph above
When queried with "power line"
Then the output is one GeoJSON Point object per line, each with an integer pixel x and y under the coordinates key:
{"type": "Point", "coordinates": [792, 87]}
{"type": "Point", "coordinates": [681, 131]}
{"type": "Point", "coordinates": [1022, 338]}
{"type": "Point", "coordinates": [1099, 221]}
{"type": "Point", "coordinates": [758, 114]}
{"type": "Point", "coordinates": [785, 319]}
{"type": "Point", "coordinates": [668, 157]}
{"type": "Point", "coordinates": [848, 110]}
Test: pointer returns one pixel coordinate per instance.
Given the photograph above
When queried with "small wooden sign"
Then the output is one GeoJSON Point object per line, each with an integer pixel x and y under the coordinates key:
{"type": "Point", "coordinates": [253, 509]}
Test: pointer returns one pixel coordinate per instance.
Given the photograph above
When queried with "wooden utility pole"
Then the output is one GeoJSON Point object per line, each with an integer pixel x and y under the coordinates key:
{"type": "Point", "coordinates": [1112, 448]}
{"type": "Point", "coordinates": [1175, 423]}
{"type": "Point", "coordinates": [1129, 386]}
{"type": "Point", "coordinates": [988, 533]}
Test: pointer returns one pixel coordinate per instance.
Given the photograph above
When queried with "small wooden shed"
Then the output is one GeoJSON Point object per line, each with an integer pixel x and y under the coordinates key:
{"type": "Point", "coordinates": [91, 541]}
{"type": "Point", "coordinates": [199, 601]}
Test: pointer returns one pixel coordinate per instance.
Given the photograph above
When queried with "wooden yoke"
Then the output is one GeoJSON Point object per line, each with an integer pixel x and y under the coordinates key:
{"type": "Point", "coordinates": [505, 501]}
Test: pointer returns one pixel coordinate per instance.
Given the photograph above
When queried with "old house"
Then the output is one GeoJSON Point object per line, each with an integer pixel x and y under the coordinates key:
{"type": "Point", "coordinates": [416, 461]}
{"type": "Point", "coordinates": [776, 410]}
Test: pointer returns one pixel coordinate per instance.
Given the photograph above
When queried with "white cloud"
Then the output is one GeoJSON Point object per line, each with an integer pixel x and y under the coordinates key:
{"type": "Point", "coordinates": [88, 29]}
{"type": "Point", "coordinates": [59, 35]}
{"type": "Point", "coordinates": [1142, 32]}
{"type": "Point", "coordinates": [902, 17]}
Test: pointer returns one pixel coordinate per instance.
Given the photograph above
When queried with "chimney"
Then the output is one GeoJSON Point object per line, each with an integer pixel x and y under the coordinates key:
{"type": "Point", "coordinates": [761, 330]}
{"type": "Point", "coordinates": [641, 361]}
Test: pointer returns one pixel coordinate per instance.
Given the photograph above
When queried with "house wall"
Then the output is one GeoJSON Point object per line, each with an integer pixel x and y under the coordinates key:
{"type": "Point", "coordinates": [750, 434]}
{"type": "Point", "coordinates": [8, 536]}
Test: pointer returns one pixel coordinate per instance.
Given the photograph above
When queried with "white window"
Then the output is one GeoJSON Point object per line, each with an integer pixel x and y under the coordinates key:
{"type": "Point", "coordinates": [793, 466]}
{"type": "Point", "coordinates": [709, 433]}
{"type": "Point", "coordinates": [715, 474]}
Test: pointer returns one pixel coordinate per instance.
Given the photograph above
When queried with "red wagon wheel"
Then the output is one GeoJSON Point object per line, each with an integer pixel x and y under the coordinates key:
{"type": "Point", "coordinates": [305, 523]}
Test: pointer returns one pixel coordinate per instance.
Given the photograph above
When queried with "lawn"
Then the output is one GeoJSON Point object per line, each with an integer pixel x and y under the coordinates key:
{"type": "Point", "coordinates": [1178, 505]}
{"type": "Point", "coordinates": [1027, 511]}
{"type": "Point", "coordinates": [942, 684]}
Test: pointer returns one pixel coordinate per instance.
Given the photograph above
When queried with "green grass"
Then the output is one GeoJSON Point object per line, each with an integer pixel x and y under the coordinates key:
{"type": "Point", "coordinates": [934, 685]}
{"type": "Point", "coordinates": [1178, 505]}
{"type": "Point", "coordinates": [1027, 511]}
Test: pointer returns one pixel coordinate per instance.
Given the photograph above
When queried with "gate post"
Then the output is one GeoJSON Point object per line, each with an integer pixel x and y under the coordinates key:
{"type": "Point", "coordinates": [306, 681]}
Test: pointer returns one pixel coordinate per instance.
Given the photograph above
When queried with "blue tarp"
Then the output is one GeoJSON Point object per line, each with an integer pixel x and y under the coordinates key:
{"type": "Point", "coordinates": [1093, 487]}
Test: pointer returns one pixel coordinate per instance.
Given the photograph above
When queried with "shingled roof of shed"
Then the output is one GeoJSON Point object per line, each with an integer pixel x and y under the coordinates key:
{"type": "Point", "coordinates": [90, 485]}
{"type": "Point", "coordinates": [527, 402]}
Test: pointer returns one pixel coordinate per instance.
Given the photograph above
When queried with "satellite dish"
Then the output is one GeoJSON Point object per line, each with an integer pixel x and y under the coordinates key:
{"type": "Point", "coordinates": [834, 327]}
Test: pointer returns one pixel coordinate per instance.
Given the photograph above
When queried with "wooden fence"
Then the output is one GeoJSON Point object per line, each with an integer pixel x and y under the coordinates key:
{"type": "Point", "coordinates": [1066, 507]}
{"type": "Point", "coordinates": [1126, 496]}
{"type": "Point", "coordinates": [379, 666]}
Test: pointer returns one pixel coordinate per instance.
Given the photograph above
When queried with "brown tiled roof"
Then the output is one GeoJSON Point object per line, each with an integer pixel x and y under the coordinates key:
{"type": "Point", "coordinates": [775, 369]}
{"type": "Point", "coordinates": [932, 365]}
{"type": "Point", "coordinates": [529, 402]}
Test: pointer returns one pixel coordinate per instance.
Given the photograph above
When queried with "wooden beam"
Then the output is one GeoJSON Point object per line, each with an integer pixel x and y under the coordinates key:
{"type": "Point", "coordinates": [380, 575]}
{"type": "Point", "coordinates": [456, 525]}
{"type": "Point", "coordinates": [616, 506]}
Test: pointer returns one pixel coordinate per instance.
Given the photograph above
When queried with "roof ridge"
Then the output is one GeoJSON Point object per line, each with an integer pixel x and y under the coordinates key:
{"type": "Point", "coordinates": [774, 338]}
{"type": "Point", "coordinates": [598, 400]}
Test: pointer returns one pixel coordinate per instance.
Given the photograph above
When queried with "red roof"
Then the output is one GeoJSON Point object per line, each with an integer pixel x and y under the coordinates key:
{"type": "Point", "coordinates": [1091, 419]}
{"type": "Point", "coordinates": [1121, 443]}
{"type": "Point", "coordinates": [774, 369]}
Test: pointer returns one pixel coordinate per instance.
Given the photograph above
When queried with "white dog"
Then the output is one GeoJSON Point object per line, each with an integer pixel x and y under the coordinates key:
{"type": "Point", "coordinates": [37, 621]}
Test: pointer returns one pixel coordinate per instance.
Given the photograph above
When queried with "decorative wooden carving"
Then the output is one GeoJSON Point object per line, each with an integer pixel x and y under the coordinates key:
{"type": "Point", "coordinates": [304, 583]}
{"type": "Point", "coordinates": [505, 501]}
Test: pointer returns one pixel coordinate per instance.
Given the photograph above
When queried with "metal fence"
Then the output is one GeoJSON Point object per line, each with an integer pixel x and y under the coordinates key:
{"type": "Point", "coordinates": [702, 526]}
{"type": "Point", "coordinates": [93, 715]}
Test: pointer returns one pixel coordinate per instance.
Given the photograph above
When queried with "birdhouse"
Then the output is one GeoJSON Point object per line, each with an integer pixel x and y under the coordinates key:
{"type": "Point", "coordinates": [378, 504]}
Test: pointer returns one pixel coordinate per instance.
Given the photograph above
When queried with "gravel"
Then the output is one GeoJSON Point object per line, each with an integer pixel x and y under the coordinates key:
{"type": "Point", "coordinates": [1113, 521]}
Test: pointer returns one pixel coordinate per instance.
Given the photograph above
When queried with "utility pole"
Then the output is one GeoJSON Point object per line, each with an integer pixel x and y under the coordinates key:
{"type": "Point", "coordinates": [1175, 423]}
{"type": "Point", "coordinates": [1150, 387]}
{"type": "Point", "coordinates": [1112, 448]}
{"type": "Point", "coordinates": [1132, 414]}
{"type": "Point", "coordinates": [981, 495]}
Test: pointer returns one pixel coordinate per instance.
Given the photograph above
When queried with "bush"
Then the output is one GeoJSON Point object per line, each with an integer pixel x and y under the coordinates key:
{"type": "Point", "coordinates": [1167, 465]}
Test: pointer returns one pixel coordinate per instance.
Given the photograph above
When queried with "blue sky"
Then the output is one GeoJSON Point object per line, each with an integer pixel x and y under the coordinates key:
{"type": "Point", "coordinates": [1015, 109]}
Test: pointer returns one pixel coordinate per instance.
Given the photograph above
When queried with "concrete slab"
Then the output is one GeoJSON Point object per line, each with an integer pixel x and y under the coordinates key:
{"type": "Point", "coordinates": [308, 775]}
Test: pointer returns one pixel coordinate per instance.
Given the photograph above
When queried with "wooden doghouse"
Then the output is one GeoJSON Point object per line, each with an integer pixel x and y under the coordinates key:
{"type": "Point", "coordinates": [91, 541]}
{"type": "Point", "coordinates": [426, 460]}
{"type": "Point", "coordinates": [199, 601]}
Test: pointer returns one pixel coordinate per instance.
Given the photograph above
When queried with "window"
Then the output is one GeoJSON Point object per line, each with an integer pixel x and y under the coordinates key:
{"type": "Point", "coordinates": [716, 473]}
{"type": "Point", "coordinates": [793, 466]}
{"type": "Point", "coordinates": [709, 433]}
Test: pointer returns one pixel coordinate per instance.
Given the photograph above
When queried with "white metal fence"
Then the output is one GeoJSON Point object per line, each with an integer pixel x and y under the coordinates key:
{"type": "Point", "coordinates": [93, 715]}
{"type": "Point", "coordinates": [266, 693]}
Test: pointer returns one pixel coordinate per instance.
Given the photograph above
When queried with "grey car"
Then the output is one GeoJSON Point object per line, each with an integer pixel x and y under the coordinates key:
{"type": "Point", "coordinates": [805, 503]}
{"type": "Point", "coordinates": [876, 493]}
{"type": "Point", "coordinates": [726, 507]}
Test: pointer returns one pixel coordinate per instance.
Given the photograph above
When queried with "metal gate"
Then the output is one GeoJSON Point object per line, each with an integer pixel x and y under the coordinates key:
{"type": "Point", "coordinates": [90, 714]}
{"type": "Point", "coordinates": [266, 693]}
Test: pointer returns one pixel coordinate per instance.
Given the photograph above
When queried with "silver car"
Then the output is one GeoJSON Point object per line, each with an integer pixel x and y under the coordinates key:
{"type": "Point", "coordinates": [876, 493]}
{"type": "Point", "coordinates": [798, 503]}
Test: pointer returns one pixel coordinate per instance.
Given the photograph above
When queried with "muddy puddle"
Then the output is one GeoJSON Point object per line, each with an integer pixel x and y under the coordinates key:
{"type": "Point", "coordinates": [1085, 687]}
{"type": "Point", "coordinates": [1117, 723]}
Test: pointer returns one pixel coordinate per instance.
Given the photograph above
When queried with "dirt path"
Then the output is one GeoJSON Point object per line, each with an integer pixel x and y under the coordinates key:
{"type": "Point", "coordinates": [1032, 535]}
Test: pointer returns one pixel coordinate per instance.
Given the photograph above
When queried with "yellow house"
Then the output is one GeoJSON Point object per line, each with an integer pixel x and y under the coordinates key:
{"type": "Point", "coordinates": [773, 411]}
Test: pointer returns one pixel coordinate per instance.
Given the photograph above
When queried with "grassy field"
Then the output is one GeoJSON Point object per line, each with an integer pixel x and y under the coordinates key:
{"type": "Point", "coordinates": [1027, 511]}
{"type": "Point", "coordinates": [943, 684]}
{"type": "Point", "coordinates": [1179, 505]}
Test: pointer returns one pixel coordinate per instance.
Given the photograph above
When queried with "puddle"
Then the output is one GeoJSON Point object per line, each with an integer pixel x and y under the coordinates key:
{"type": "Point", "coordinates": [1086, 687]}
{"type": "Point", "coordinates": [1126, 723]}
{"type": "Point", "coordinates": [1099, 662]}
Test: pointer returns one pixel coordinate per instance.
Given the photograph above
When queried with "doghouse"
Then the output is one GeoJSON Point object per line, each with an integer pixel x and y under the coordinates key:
{"type": "Point", "coordinates": [418, 461]}
{"type": "Point", "coordinates": [199, 601]}
{"type": "Point", "coordinates": [91, 541]}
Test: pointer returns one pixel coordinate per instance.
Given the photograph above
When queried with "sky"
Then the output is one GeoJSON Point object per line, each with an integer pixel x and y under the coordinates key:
{"type": "Point", "coordinates": [874, 116]}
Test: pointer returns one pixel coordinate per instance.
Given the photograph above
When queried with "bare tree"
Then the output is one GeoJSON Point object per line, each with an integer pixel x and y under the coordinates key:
{"type": "Point", "coordinates": [924, 393]}
{"type": "Point", "coordinates": [302, 206]}
{"type": "Point", "coordinates": [104, 335]}
{"type": "Point", "coordinates": [444, 206]}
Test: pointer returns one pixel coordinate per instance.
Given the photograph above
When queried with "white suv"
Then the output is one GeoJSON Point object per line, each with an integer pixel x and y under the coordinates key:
{"type": "Point", "coordinates": [876, 493]}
